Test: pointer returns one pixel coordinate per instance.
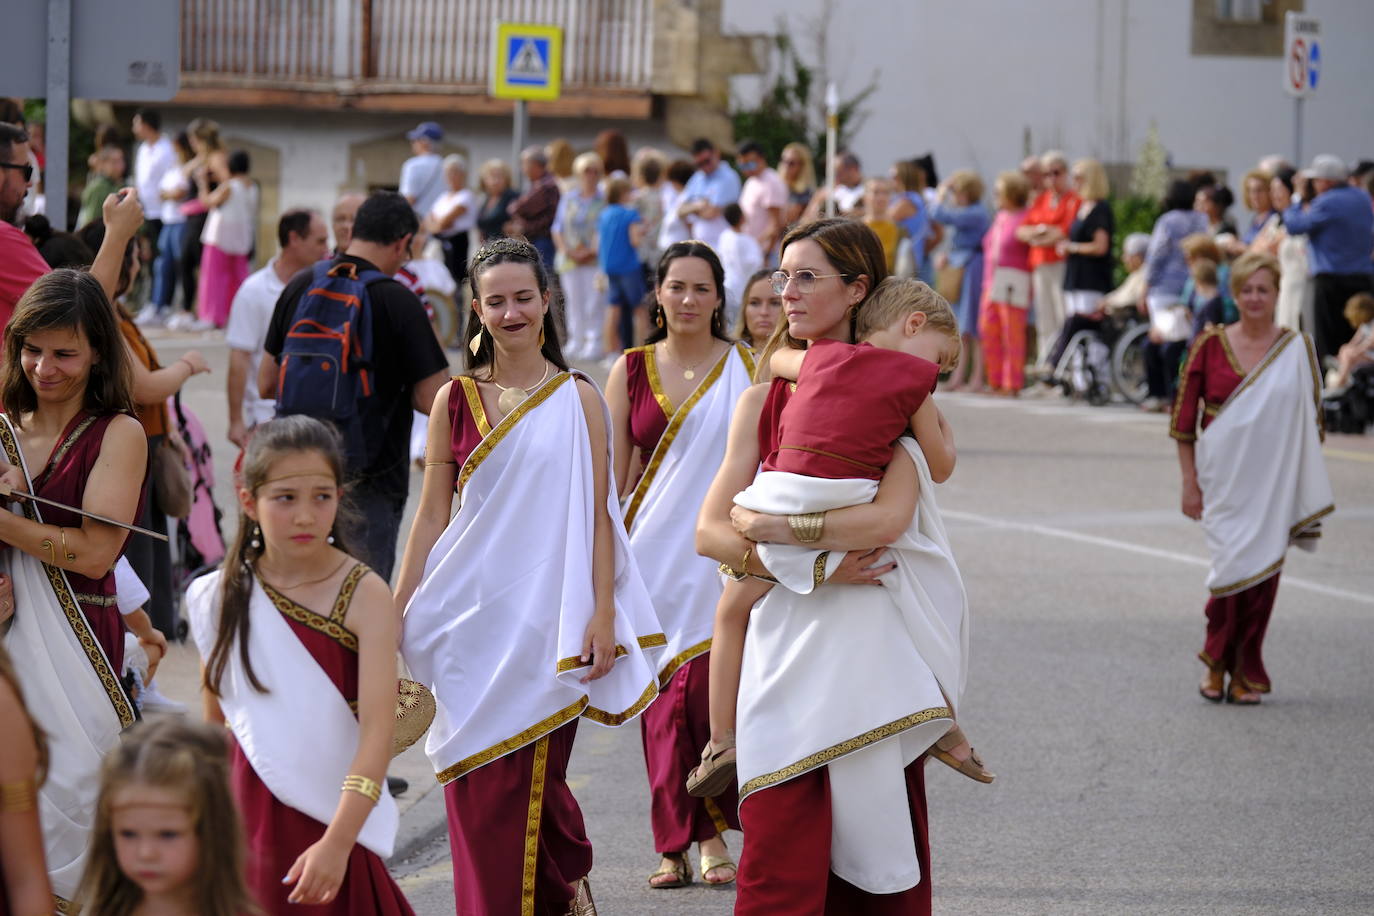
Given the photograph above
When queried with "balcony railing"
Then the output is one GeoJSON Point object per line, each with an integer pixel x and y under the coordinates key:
{"type": "Point", "coordinates": [405, 45]}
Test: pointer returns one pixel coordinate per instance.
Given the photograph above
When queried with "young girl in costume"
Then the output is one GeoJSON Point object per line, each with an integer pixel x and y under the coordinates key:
{"type": "Point", "coordinates": [167, 839]}
{"type": "Point", "coordinates": [852, 403]}
{"type": "Point", "coordinates": [294, 636]}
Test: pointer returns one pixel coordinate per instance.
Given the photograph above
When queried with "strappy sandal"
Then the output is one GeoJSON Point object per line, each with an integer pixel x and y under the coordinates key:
{"type": "Point", "coordinates": [972, 767]}
{"type": "Point", "coordinates": [711, 863]}
{"type": "Point", "coordinates": [1240, 695]}
{"type": "Point", "coordinates": [716, 771]}
{"type": "Point", "coordinates": [678, 867]}
{"type": "Point", "coordinates": [582, 904]}
{"type": "Point", "coordinates": [1212, 688]}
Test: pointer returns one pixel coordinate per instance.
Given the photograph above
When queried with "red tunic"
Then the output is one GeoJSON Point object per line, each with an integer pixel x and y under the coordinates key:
{"type": "Point", "coordinates": [1210, 374]}
{"type": "Point", "coordinates": [650, 408]}
{"type": "Point", "coordinates": [467, 419]}
{"type": "Point", "coordinates": [852, 403]}
{"type": "Point", "coordinates": [277, 834]}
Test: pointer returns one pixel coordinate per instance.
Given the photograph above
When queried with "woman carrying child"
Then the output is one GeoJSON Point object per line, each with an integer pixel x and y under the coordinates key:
{"type": "Point", "coordinates": [294, 636]}
{"type": "Point", "coordinates": [525, 612]}
{"type": "Point", "coordinates": [671, 402]}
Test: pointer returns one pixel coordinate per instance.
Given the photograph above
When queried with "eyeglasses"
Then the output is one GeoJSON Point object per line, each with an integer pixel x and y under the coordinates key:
{"type": "Point", "coordinates": [26, 169]}
{"type": "Point", "coordinates": [806, 280]}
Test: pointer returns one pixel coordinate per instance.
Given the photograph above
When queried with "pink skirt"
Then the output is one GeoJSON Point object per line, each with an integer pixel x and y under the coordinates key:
{"type": "Point", "coordinates": [221, 275]}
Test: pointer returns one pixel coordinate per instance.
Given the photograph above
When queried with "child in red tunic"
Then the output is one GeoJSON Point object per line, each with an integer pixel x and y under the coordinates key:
{"type": "Point", "coordinates": [851, 404]}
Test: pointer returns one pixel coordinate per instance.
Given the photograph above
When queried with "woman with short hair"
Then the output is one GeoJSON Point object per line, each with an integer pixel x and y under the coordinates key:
{"type": "Point", "coordinates": [453, 214]}
{"type": "Point", "coordinates": [575, 237]}
{"type": "Point", "coordinates": [959, 206]}
{"type": "Point", "coordinates": [1166, 274]}
{"type": "Point", "coordinates": [497, 197]}
{"type": "Point", "coordinates": [1087, 256]}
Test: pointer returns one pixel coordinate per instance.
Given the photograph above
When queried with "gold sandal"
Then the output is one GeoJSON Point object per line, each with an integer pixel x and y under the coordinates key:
{"type": "Point", "coordinates": [710, 863]}
{"type": "Point", "coordinates": [681, 872]}
{"type": "Point", "coordinates": [716, 771]}
{"type": "Point", "coordinates": [972, 767]}
{"type": "Point", "coordinates": [582, 904]}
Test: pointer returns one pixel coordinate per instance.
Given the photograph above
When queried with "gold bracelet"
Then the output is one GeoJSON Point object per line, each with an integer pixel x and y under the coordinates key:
{"type": "Point", "coordinates": [807, 528]}
{"type": "Point", "coordinates": [63, 533]}
{"type": "Point", "coordinates": [744, 564]}
{"type": "Point", "coordinates": [430, 464]}
{"type": "Point", "coordinates": [18, 797]}
{"type": "Point", "coordinates": [368, 788]}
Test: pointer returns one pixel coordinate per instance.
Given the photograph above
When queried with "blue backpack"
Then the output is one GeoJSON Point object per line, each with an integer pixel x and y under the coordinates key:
{"type": "Point", "coordinates": [326, 368]}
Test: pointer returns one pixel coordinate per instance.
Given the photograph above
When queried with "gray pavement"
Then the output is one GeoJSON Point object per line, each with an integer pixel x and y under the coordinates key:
{"type": "Point", "coordinates": [1119, 790]}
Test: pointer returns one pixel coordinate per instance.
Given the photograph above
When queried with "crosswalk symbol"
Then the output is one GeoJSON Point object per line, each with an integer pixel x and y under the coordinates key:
{"type": "Point", "coordinates": [526, 61]}
{"type": "Point", "coordinates": [527, 65]}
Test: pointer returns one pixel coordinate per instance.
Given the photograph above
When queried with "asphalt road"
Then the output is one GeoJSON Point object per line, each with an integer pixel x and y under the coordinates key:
{"type": "Point", "coordinates": [1119, 790]}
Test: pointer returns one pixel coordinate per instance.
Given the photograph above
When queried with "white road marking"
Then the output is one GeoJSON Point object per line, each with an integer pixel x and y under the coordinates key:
{"type": "Point", "coordinates": [1141, 549]}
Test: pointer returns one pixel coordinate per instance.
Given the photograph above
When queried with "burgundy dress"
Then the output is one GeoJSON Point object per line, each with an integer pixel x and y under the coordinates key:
{"type": "Point", "coordinates": [1236, 623]}
{"type": "Point", "coordinates": [516, 834]}
{"type": "Point", "coordinates": [277, 834]}
{"type": "Point", "coordinates": [676, 726]}
{"type": "Point", "coordinates": [785, 866]}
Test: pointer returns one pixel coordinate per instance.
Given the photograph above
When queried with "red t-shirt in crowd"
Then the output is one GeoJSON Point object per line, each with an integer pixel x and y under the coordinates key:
{"type": "Point", "coordinates": [851, 404]}
{"type": "Point", "coordinates": [1046, 211]}
{"type": "Point", "coordinates": [20, 265]}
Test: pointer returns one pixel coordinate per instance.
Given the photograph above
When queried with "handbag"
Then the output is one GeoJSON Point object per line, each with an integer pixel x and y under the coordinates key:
{"type": "Point", "coordinates": [949, 282]}
{"type": "Point", "coordinates": [414, 713]}
{"type": "Point", "coordinates": [1010, 286]}
{"type": "Point", "coordinates": [171, 480]}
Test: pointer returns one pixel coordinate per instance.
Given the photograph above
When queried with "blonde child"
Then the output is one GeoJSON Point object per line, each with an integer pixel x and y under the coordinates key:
{"type": "Point", "coordinates": [1359, 350]}
{"type": "Point", "coordinates": [167, 838]}
{"type": "Point", "coordinates": [294, 636]}
{"type": "Point", "coordinates": [829, 436]}
{"type": "Point", "coordinates": [876, 203]}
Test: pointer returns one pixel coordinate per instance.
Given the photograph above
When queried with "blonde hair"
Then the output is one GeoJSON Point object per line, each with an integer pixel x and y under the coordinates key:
{"type": "Point", "coordinates": [1254, 175]}
{"type": "Point", "coordinates": [560, 155]}
{"type": "Point", "coordinates": [967, 183]}
{"type": "Point", "coordinates": [1051, 158]}
{"type": "Point", "coordinates": [897, 297]}
{"type": "Point", "coordinates": [586, 161]}
{"type": "Point", "coordinates": [1014, 188]}
{"type": "Point", "coordinates": [1200, 245]}
{"type": "Point", "coordinates": [1204, 271]}
{"type": "Point", "coordinates": [1359, 309]}
{"type": "Point", "coordinates": [1249, 264]}
{"type": "Point", "coordinates": [806, 181]}
{"type": "Point", "coordinates": [192, 759]}
{"type": "Point", "coordinates": [1095, 186]}
{"type": "Point", "coordinates": [494, 167]}
{"type": "Point", "coordinates": [617, 189]}
{"type": "Point", "coordinates": [741, 329]}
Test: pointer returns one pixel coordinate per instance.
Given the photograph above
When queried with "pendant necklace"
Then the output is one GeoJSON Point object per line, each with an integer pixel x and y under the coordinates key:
{"type": "Point", "coordinates": [688, 372]}
{"type": "Point", "coordinates": [511, 397]}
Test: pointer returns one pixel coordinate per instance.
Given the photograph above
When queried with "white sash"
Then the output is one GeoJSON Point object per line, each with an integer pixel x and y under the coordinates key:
{"type": "Point", "coordinates": [829, 677]}
{"type": "Point", "coordinates": [495, 628]}
{"type": "Point", "coordinates": [300, 736]}
{"type": "Point", "coordinates": [661, 512]}
{"type": "Point", "coordinates": [1260, 467]}
{"type": "Point", "coordinates": [71, 689]}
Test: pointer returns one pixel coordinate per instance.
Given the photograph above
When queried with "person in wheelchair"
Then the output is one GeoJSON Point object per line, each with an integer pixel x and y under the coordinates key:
{"type": "Point", "coordinates": [1107, 323]}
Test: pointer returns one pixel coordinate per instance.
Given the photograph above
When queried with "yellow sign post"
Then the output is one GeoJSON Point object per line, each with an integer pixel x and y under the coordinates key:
{"type": "Point", "coordinates": [526, 65]}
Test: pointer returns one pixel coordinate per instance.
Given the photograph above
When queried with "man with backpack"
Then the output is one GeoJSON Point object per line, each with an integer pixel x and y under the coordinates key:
{"type": "Point", "coordinates": [350, 345]}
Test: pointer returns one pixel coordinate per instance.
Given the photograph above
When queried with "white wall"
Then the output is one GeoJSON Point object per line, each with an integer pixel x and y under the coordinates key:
{"type": "Point", "coordinates": [967, 78]}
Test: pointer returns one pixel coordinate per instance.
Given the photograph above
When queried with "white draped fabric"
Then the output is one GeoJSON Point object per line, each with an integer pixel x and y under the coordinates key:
{"type": "Point", "coordinates": [301, 735]}
{"type": "Point", "coordinates": [1261, 471]}
{"type": "Point", "coordinates": [495, 628]}
{"type": "Point", "coordinates": [661, 512]}
{"type": "Point", "coordinates": [71, 690]}
{"type": "Point", "coordinates": [850, 677]}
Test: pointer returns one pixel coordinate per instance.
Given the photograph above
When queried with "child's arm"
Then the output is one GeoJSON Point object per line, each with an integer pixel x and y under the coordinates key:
{"type": "Point", "coordinates": [787, 362]}
{"type": "Point", "coordinates": [21, 836]}
{"type": "Point", "coordinates": [936, 440]}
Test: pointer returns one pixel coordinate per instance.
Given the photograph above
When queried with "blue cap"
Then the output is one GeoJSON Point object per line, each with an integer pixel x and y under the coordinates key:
{"type": "Point", "coordinates": [427, 130]}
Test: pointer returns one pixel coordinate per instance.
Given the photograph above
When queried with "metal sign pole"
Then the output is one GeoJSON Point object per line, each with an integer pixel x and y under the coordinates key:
{"type": "Point", "coordinates": [1297, 132]}
{"type": "Point", "coordinates": [519, 131]}
{"type": "Point", "coordinates": [57, 131]}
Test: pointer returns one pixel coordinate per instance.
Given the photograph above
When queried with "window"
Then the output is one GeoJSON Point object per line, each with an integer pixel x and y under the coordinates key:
{"type": "Point", "coordinates": [1240, 28]}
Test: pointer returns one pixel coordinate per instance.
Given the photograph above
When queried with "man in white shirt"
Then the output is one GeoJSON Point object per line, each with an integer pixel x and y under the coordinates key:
{"type": "Point", "coordinates": [763, 198]}
{"type": "Point", "coordinates": [153, 159]}
{"type": "Point", "coordinates": [740, 256]}
{"type": "Point", "coordinates": [422, 175]}
{"type": "Point", "coordinates": [304, 240]}
{"type": "Point", "coordinates": [849, 189]}
{"type": "Point", "coordinates": [712, 187]}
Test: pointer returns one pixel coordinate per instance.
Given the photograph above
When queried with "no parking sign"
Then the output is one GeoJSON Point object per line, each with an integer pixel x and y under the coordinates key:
{"type": "Point", "coordinates": [1302, 54]}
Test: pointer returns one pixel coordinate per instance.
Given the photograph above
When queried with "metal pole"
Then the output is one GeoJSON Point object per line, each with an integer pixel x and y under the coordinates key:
{"type": "Point", "coordinates": [519, 130]}
{"type": "Point", "coordinates": [832, 126]}
{"type": "Point", "coordinates": [57, 131]}
{"type": "Point", "coordinates": [1297, 132]}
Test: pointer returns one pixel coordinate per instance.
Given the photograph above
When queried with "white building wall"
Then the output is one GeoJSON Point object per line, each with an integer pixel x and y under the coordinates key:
{"type": "Point", "coordinates": [969, 78]}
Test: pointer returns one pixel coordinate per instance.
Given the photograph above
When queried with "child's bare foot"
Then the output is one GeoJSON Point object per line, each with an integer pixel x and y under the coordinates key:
{"type": "Point", "coordinates": [953, 750]}
{"type": "Point", "coordinates": [716, 771]}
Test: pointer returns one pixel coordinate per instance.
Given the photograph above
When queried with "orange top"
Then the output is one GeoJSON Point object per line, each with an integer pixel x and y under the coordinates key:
{"type": "Point", "coordinates": [1049, 212]}
{"type": "Point", "coordinates": [152, 416]}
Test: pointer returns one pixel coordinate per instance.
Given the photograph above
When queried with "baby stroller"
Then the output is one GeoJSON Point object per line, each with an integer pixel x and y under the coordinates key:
{"type": "Point", "coordinates": [199, 539]}
{"type": "Point", "coordinates": [1104, 357]}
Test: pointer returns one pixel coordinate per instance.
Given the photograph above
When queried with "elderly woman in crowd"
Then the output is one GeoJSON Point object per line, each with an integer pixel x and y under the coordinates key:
{"type": "Point", "coordinates": [1253, 386]}
{"type": "Point", "coordinates": [959, 206]}
{"type": "Point", "coordinates": [575, 238]}
{"type": "Point", "coordinates": [1166, 273]}
{"type": "Point", "coordinates": [497, 196]}
{"type": "Point", "coordinates": [1047, 224]}
{"type": "Point", "coordinates": [1296, 289]}
{"type": "Point", "coordinates": [453, 214]}
{"type": "Point", "coordinates": [1087, 254]}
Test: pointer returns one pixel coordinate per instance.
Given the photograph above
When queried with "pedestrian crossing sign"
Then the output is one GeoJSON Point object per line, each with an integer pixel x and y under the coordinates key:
{"type": "Point", "coordinates": [526, 61]}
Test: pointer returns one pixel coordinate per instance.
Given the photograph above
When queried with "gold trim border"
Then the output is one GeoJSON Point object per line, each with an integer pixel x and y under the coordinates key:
{"type": "Point", "coordinates": [652, 641]}
{"type": "Point", "coordinates": [844, 748]}
{"type": "Point", "coordinates": [513, 743]}
{"type": "Point", "coordinates": [475, 405]}
{"type": "Point", "coordinates": [1297, 531]}
{"type": "Point", "coordinates": [665, 674]}
{"type": "Point", "coordinates": [326, 626]}
{"type": "Point", "coordinates": [499, 432]}
{"type": "Point", "coordinates": [532, 819]}
{"type": "Point", "coordinates": [612, 719]}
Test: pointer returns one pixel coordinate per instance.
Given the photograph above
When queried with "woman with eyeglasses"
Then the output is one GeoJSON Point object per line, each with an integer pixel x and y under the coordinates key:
{"type": "Point", "coordinates": [831, 724]}
{"type": "Point", "coordinates": [671, 403]}
{"type": "Point", "coordinates": [1048, 220]}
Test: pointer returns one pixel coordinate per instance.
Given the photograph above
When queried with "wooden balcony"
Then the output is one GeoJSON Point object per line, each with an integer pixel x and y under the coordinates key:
{"type": "Point", "coordinates": [407, 55]}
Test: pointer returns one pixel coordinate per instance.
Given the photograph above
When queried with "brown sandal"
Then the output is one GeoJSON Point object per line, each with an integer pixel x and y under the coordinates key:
{"type": "Point", "coordinates": [1212, 688]}
{"type": "Point", "coordinates": [716, 771]}
{"type": "Point", "coordinates": [680, 870]}
{"type": "Point", "coordinates": [1239, 694]}
{"type": "Point", "coordinates": [972, 767]}
{"type": "Point", "coordinates": [582, 904]}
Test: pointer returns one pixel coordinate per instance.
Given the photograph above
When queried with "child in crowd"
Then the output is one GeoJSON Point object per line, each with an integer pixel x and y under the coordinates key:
{"type": "Point", "coordinates": [1206, 303]}
{"type": "Point", "coordinates": [298, 645]}
{"type": "Point", "coordinates": [740, 255]}
{"type": "Point", "coordinates": [167, 838]}
{"type": "Point", "coordinates": [620, 230]}
{"type": "Point", "coordinates": [880, 388]}
{"type": "Point", "coordinates": [1359, 351]}
{"type": "Point", "coordinates": [877, 201]}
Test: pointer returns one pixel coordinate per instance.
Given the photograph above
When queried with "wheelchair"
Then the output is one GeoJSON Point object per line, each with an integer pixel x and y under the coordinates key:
{"type": "Point", "coordinates": [1109, 357]}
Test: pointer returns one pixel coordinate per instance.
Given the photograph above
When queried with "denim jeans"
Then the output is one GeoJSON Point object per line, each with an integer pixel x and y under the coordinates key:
{"type": "Point", "coordinates": [166, 265]}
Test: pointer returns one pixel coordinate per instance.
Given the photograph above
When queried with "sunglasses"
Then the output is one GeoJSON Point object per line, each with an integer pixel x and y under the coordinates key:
{"type": "Point", "coordinates": [805, 279]}
{"type": "Point", "coordinates": [26, 169]}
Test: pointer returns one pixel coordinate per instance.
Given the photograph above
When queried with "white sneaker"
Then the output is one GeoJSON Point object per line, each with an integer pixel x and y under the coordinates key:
{"type": "Point", "coordinates": [200, 324]}
{"type": "Point", "coordinates": [150, 316]}
{"type": "Point", "coordinates": [181, 321]}
{"type": "Point", "coordinates": [153, 700]}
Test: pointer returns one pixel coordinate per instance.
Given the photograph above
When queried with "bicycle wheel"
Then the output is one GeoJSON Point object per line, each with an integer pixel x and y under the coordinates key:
{"type": "Point", "coordinates": [1128, 364]}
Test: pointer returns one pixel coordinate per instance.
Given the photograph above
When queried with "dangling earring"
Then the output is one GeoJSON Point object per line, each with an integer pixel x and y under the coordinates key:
{"type": "Point", "coordinates": [541, 337]}
{"type": "Point", "coordinates": [658, 318]}
{"type": "Point", "coordinates": [256, 542]}
{"type": "Point", "coordinates": [476, 343]}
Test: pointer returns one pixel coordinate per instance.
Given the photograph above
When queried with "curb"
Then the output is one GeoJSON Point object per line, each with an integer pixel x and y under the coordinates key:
{"type": "Point", "coordinates": [421, 824]}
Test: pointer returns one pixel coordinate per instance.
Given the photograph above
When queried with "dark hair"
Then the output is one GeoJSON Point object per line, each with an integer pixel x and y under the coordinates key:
{"type": "Point", "coordinates": [151, 117]}
{"type": "Point", "coordinates": [680, 171]}
{"type": "Point", "coordinates": [182, 142]}
{"type": "Point", "coordinates": [1179, 196]}
{"type": "Point", "coordinates": [1218, 194]}
{"type": "Point", "coordinates": [93, 235]}
{"type": "Point", "coordinates": [269, 442]}
{"type": "Point", "coordinates": [927, 164]}
{"type": "Point", "coordinates": [749, 146]}
{"type": "Point", "coordinates": [107, 135]}
{"type": "Point", "coordinates": [510, 251]}
{"type": "Point", "coordinates": [38, 229]}
{"type": "Point", "coordinates": [59, 249]}
{"type": "Point", "coordinates": [651, 170]}
{"type": "Point", "coordinates": [12, 111]}
{"type": "Point", "coordinates": [692, 248]}
{"type": "Point", "coordinates": [68, 300]}
{"type": "Point", "coordinates": [702, 145]}
{"type": "Point", "coordinates": [733, 215]}
{"type": "Point", "coordinates": [1201, 178]}
{"type": "Point", "coordinates": [10, 136]}
{"type": "Point", "coordinates": [239, 162]}
{"type": "Point", "coordinates": [384, 219]}
{"type": "Point", "coordinates": [295, 222]}
{"type": "Point", "coordinates": [849, 160]}
{"type": "Point", "coordinates": [1285, 175]}
{"type": "Point", "coordinates": [611, 147]}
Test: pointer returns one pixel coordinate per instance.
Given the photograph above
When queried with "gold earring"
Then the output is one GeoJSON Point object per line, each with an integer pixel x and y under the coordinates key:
{"type": "Point", "coordinates": [541, 337]}
{"type": "Point", "coordinates": [658, 319]}
{"type": "Point", "coordinates": [476, 343]}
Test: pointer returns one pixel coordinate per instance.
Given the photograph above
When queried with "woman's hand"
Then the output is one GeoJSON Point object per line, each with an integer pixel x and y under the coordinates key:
{"type": "Point", "coordinates": [318, 872]}
{"type": "Point", "coordinates": [598, 645]}
{"type": "Point", "coordinates": [861, 567]}
{"type": "Point", "coordinates": [196, 361]}
{"type": "Point", "coordinates": [1192, 500]}
{"type": "Point", "coordinates": [13, 478]}
{"type": "Point", "coordinates": [760, 527]}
